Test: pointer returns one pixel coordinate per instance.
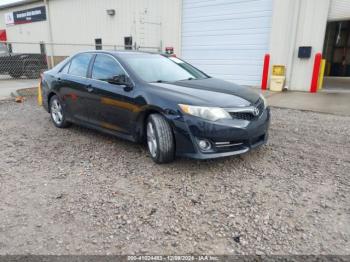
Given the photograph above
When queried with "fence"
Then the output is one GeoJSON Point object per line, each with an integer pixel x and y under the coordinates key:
{"type": "Point", "coordinates": [27, 59]}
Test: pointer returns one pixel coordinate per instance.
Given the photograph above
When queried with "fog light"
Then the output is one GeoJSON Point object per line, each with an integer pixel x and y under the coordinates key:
{"type": "Point", "coordinates": [204, 144]}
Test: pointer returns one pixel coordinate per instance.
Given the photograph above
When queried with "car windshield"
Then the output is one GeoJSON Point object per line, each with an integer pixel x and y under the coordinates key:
{"type": "Point", "coordinates": [158, 68]}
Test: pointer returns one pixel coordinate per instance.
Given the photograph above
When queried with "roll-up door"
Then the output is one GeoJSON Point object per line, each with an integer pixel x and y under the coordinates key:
{"type": "Point", "coordinates": [227, 38]}
{"type": "Point", "coordinates": [339, 10]}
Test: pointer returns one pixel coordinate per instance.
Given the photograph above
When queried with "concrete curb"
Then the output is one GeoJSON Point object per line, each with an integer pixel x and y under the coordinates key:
{"type": "Point", "coordinates": [30, 91]}
{"type": "Point", "coordinates": [14, 94]}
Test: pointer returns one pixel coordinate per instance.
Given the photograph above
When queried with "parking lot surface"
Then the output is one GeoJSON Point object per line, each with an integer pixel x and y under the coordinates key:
{"type": "Point", "coordinates": [76, 191]}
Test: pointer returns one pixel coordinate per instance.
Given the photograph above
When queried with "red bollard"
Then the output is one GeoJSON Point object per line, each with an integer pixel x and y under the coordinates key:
{"type": "Point", "coordinates": [315, 73]}
{"type": "Point", "coordinates": [265, 73]}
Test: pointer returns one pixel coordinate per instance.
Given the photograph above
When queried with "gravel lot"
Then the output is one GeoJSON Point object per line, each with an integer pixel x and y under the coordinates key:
{"type": "Point", "coordinates": [76, 191]}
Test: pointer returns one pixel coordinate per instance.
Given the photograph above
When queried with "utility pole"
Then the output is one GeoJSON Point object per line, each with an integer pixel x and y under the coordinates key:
{"type": "Point", "coordinates": [49, 28]}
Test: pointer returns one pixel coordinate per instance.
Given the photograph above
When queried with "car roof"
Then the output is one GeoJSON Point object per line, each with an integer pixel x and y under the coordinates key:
{"type": "Point", "coordinates": [122, 53]}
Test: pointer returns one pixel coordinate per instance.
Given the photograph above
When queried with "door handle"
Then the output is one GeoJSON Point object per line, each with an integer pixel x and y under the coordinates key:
{"type": "Point", "coordinates": [89, 88]}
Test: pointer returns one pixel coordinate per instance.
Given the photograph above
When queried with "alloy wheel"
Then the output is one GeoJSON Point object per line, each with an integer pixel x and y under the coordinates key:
{"type": "Point", "coordinates": [151, 139]}
{"type": "Point", "coordinates": [56, 112]}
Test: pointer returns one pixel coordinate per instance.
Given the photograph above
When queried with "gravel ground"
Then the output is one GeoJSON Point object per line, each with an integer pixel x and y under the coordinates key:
{"type": "Point", "coordinates": [76, 191]}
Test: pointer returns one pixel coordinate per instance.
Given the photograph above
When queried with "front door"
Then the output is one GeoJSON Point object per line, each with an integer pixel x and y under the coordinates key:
{"type": "Point", "coordinates": [112, 106]}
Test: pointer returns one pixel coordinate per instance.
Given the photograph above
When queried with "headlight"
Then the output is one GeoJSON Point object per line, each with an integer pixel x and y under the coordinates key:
{"type": "Point", "coordinates": [264, 99]}
{"type": "Point", "coordinates": [209, 113]}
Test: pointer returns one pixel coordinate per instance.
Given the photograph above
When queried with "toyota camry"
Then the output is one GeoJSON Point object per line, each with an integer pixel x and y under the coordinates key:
{"type": "Point", "coordinates": [174, 108]}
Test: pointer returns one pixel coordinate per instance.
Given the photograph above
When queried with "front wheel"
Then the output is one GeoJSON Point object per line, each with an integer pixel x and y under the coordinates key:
{"type": "Point", "coordinates": [58, 116]}
{"type": "Point", "coordinates": [160, 139]}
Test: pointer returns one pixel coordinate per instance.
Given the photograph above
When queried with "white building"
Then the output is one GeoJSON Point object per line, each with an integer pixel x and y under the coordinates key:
{"type": "Point", "coordinates": [225, 38]}
{"type": "Point", "coordinates": [73, 25]}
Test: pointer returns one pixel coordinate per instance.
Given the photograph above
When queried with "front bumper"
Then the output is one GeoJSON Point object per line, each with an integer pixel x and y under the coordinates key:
{"type": "Point", "coordinates": [228, 137]}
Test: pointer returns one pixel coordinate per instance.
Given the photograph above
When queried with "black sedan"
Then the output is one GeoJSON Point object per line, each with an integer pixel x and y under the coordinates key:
{"type": "Point", "coordinates": [174, 107]}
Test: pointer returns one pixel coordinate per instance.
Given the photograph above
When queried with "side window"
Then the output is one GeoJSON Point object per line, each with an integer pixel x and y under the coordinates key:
{"type": "Point", "coordinates": [65, 69]}
{"type": "Point", "coordinates": [80, 64]}
{"type": "Point", "coordinates": [105, 68]}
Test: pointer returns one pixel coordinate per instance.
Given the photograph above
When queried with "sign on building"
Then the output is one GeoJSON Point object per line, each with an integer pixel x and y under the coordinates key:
{"type": "Point", "coordinates": [9, 19]}
{"type": "Point", "coordinates": [31, 15]}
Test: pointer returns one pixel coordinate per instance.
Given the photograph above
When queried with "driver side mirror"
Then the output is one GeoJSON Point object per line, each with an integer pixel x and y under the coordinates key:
{"type": "Point", "coordinates": [121, 80]}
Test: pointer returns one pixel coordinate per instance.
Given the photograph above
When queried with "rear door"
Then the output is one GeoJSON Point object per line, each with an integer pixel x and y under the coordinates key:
{"type": "Point", "coordinates": [112, 104]}
{"type": "Point", "coordinates": [74, 86]}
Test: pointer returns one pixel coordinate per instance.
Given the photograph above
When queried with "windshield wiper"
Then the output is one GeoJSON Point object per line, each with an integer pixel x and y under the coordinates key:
{"type": "Point", "coordinates": [159, 81]}
{"type": "Point", "coordinates": [190, 78]}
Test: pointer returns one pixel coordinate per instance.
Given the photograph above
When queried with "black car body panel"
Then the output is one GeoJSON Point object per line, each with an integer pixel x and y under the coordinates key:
{"type": "Point", "coordinates": [122, 110]}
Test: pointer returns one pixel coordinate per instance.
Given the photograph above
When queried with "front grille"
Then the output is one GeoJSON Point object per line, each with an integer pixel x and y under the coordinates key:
{"type": "Point", "coordinates": [247, 115]}
{"type": "Point", "coordinates": [229, 146]}
{"type": "Point", "coordinates": [243, 116]}
{"type": "Point", "coordinates": [260, 105]}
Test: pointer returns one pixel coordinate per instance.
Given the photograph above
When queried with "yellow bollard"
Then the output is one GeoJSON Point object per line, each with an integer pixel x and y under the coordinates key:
{"type": "Point", "coordinates": [40, 97]}
{"type": "Point", "coordinates": [321, 76]}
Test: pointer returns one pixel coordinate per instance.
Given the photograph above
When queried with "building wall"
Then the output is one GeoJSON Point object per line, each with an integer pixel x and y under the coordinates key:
{"type": "Point", "coordinates": [339, 10]}
{"type": "Point", "coordinates": [151, 23]}
{"type": "Point", "coordinates": [298, 23]}
{"type": "Point", "coordinates": [33, 32]}
{"type": "Point", "coordinates": [311, 31]}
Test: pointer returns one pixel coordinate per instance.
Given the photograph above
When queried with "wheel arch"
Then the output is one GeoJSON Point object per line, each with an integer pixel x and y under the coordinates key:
{"type": "Point", "coordinates": [142, 121]}
{"type": "Point", "coordinates": [49, 96]}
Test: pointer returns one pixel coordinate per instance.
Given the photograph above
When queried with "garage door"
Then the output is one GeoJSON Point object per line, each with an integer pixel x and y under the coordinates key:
{"type": "Point", "coordinates": [227, 38]}
{"type": "Point", "coordinates": [339, 10]}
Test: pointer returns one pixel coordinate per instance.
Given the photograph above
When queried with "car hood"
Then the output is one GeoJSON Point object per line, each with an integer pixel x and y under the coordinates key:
{"type": "Point", "coordinates": [210, 92]}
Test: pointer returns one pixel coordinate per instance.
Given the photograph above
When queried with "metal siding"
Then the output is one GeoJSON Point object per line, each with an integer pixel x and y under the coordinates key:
{"type": "Point", "coordinates": [32, 32]}
{"type": "Point", "coordinates": [81, 21]}
{"type": "Point", "coordinates": [311, 30]}
{"type": "Point", "coordinates": [24, 32]}
{"type": "Point", "coordinates": [85, 20]}
{"type": "Point", "coordinates": [227, 38]}
{"type": "Point", "coordinates": [339, 10]}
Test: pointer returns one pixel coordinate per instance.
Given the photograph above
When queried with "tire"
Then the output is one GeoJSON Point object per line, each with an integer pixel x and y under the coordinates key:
{"type": "Point", "coordinates": [32, 70]}
{"type": "Point", "coordinates": [160, 139]}
{"type": "Point", "coordinates": [57, 113]}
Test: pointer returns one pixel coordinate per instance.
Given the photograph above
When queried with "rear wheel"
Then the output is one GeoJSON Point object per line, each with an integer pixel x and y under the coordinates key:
{"type": "Point", "coordinates": [160, 139]}
{"type": "Point", "coordinates": [58, 116]}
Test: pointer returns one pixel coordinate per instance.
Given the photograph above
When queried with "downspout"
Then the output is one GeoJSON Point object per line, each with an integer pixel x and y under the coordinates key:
{"type": "Point", "coordinates": [293, 42]}
{"type": "Point", "coordinates": [180, 29]}
{"type": "Point", "coordinates": [50, 32]}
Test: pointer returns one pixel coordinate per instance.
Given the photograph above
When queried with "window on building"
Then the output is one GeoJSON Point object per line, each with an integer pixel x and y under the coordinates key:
{"type": "Point", "coordinates": [80, 64]}
{"type": "Point", "coordinates": [9, 47]}
{"type": "Point", "coordinates": [3, 49]}
{"type": "Point", "coordinates": [98, 43]}
{"type": "Point", "coordinates": [42, 49]}
{"type": "Point", "coordinates": [105, 68]}
{"type": "Point", "coordinates": [128, 43]}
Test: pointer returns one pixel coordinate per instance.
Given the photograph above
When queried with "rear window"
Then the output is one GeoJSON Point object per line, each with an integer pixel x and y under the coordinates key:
{"type": "Point", "coordinates": [65, 69]}
{"type": "Point", "coordinates": [80, 64]}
